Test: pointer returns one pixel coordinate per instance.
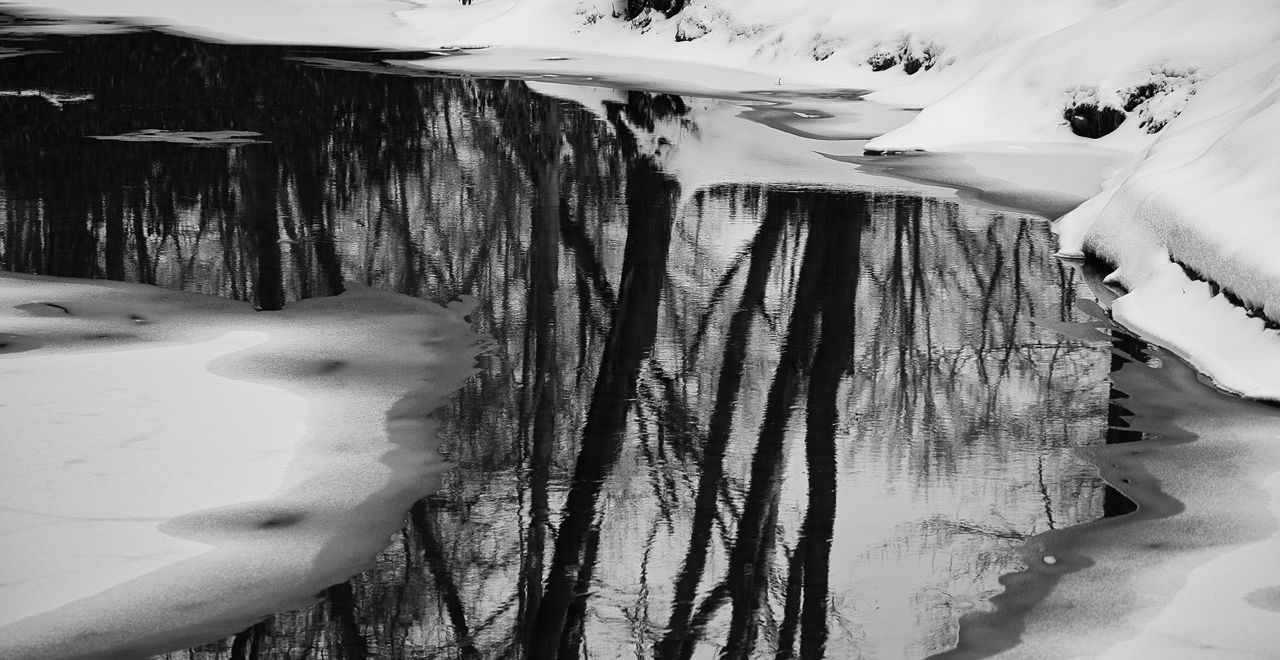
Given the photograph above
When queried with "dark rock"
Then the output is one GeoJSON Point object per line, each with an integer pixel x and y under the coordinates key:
{"type": "Point", "coordinates": [883, 61]}
{"type": "Point", "coordinates": [1141, 94]}
{"type": "Point", "coordinates": [1093, 121]}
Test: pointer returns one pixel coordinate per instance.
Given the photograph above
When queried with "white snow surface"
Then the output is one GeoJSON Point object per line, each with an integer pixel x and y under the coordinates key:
{"type": "Point", "coordinates": [72, 467]}
{"type": "Point", "coordinates": [370, 23]}
{"type": "Point", "coordinates": [1021, 93]}
{"type": "Point", "coordinates": [156, 439]}
{"type": "Point", "coordinates": [1205, 195]}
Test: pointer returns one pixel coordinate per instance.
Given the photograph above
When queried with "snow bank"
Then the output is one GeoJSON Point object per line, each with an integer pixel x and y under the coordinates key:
{"type": "Point", "coordinates": [1143, 59]}
{"type": "Point", "coordinates": [178, 463]}
{"type": "Point", "coordinates": [1201, 203]}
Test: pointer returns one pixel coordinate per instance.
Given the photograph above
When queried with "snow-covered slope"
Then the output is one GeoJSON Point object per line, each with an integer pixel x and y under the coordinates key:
{"type": "Point", "coordinates": [1143, 59]}
{"type": "Point", "coordinates": [1205, 195]}
{"type": "Point", "coordinates": [369, 23]}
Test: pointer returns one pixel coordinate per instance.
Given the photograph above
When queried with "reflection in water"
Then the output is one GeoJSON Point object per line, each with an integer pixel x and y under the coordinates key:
{"type": "Point", "coordinates": [734, 421]}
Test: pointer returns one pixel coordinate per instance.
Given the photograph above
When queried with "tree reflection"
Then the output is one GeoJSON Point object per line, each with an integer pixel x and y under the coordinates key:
{"type": "Point", "coordinates": [557, 629]}
{"type": "Point", "coordinates": [679, 636]}
{"type": "Point", "coordinates": [680, 422]}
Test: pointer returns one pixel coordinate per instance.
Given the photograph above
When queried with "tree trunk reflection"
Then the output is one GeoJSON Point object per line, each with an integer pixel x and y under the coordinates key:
{"type": "Point", "coordinates": [632, 331]}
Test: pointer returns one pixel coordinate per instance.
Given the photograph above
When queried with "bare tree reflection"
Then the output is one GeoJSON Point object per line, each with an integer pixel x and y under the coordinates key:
{"type": "Point", "coordinates": [679, 636]}
{"type": "Point", "coordinates": [629, 477]}
{"type": "Point", "coordinates": [632, 331]}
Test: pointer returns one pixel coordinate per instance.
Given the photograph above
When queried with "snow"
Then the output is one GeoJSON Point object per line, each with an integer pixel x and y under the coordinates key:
{"type": "Point", "coordinates": [56, 99]}
{"type": "Point", "coordinates": [61, 474]}
{"type": "Point", "coordinates": [253, 458]}
{"type": "Point", "coordinates": [370, 23]}
{"type": "Point", "coordinates": [1204, 195]}
{"type": "Point", "coordinates": [1021, 93]}
{"type": "Point", "coordinates": [189, 138]}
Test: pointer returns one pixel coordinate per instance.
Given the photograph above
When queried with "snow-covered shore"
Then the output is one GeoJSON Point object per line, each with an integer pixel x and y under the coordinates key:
{"type": "Point", "coordinates": [1191, 225]}
{"type": "Point", "coordinates": [253, 459]}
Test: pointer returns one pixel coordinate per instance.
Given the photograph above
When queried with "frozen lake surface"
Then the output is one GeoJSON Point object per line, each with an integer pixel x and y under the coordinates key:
{"type": "Point", "coordinates": [747, 393]}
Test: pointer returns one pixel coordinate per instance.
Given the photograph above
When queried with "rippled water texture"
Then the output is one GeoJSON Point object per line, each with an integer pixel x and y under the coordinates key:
{"type": "Point", "coordinates": [742, 417]}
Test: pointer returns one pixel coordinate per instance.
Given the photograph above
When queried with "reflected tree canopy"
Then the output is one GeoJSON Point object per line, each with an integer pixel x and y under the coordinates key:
{"type": "Point", "coordinates": [738, 421]}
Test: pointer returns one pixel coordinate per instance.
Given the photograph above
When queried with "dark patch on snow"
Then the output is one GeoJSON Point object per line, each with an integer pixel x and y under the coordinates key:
{"type": "Point", "coordinates": [281, 520]}
{"type": "Point", "coordinates": [1137, 98]}
{"type": "Point", "coordinates": [911, 58]}
{"type": "Point", "coordinates": [1139, 95]}
{"type": "Point", "coordinates": [1092, 120]}
{"type": "Point", "coordinates": [1266, 599]}
{"type": "Point", "coordinates": [44, 309]}
{"type": "Point", "coordinates": [823, 47]}
{"type": "Point", "coordinates": [882, 61]}
{"type": "Point", "coordinates": [1160, 98]}
{"type": "Point", "coordinates": [912, 64]}
{"type": "Point", "coordinates": [330, 366]}
{"type": "Point", "coordinates": [639, 9]}
{"type": "Point", "coordinates": [216, 526]}
{"type": "Point", "coordinates": [690, 28]}
{"type": "Point", "coordinates": [11, 343]}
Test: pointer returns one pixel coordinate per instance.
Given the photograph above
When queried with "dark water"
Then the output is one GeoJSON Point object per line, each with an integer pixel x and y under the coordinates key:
{"type": "Point", "coordinates": [743, 419]}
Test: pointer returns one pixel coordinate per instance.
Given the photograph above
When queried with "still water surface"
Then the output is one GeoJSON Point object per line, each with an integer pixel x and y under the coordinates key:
{"type": "Point", "coordinates": [744, 418]}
